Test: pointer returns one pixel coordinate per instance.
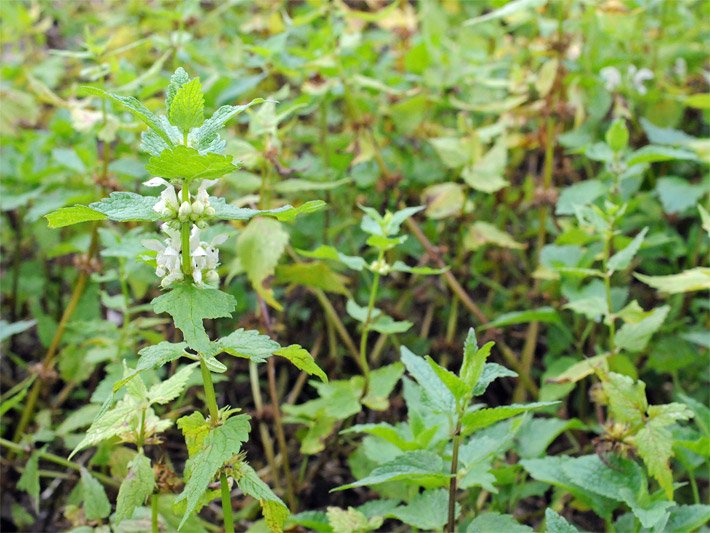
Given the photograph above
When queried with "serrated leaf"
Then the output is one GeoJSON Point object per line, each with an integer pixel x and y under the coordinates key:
{"type": "Point", "coordinates": [536, 434]}
{"type": "Point", "coordinates": [482, 418]}
{"type": "Point", "coordinates": [187, 106]}
{"type": "Point", "coordinates": [427, 511]}
{"type": "Point", "coordinates": [455, 384]}
{"type": "Point", "coordinates": [249, 344]}
{"type": "Point", "coordinates": [622, 259]}
{"type": "Point", "coordinates": [202, 137]}
{"type": "Point", "coordinates": [127, 207]}
{"type": "Point", "coordinates": [626, 399]}
{"type": "Point", "coordinates": [590, 473]}
{"type": "Point", "coordinates": [135, 488]}
{"type": "Point", "coordinates": [301, 359]}
{"type": "Point", "coordinates": [96, 504]}
{"type": "Point", "coordinates": [399, 266]}
{"type": "Point", "coordinates": [582, 369]}
{"type": "Point", "coordinates": [259, 248]}
{"type": "Point", "coordinates": [219, 446]}
{"type": "Point", "coordinates": [635, 336]}
{"type": "Point", "coordinates": [168, 390]}
{"type": "Point", "coordinates": [491, 372]}
{"type": "Point", "coordinates": [695, 279]}
{"type": "Point", "coordinates": [419, 467]}
{"type": "Point", "coordinates": [66, 216]}
{"type": "Point", "coordinates": [189, 306]}
{"type": "Point", "coordinates": [274, 510]}
{"type": "Point", "coordinates": [194, 429]}
{"type": "Point", "coordinates": [442, 399]}
{"type": "Point", "coordinates": [177, 80]}
{"type": "Point", "coordinates": [107, 424]}
{"type": "Point", "coordinates": [136, 108]}
{"type": "Point", "coordinates": [183, 162]}
{"type": "Point", "coordinates": [379, 321]}
{"type": "Point", "coordinates": [351, 520]}
{"type": "Point", "coordinates": [480, 234]}
{"type": "Point", "coordinates": [29, 480]}
{"type": "Point", "coordinates": [154, 357]}
{"type": "Point", "coordinates": [555, 523]}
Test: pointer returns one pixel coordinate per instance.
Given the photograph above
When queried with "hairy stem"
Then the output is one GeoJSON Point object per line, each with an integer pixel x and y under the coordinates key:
{"type": "Point", "coordinates": [226, 504]}
{"type": "Point", "coordinates": [366, 325]}
{"type": "Point", "coordinates": [185, 228]}
{"type": "Point", "coordinates": [154, 528]}
{"type": "Point", "coordinates": [607, 291]}
{"type": "Point", "coordinates": [452, 482]}
{"type": "Point", "coordinates": [210, 397]}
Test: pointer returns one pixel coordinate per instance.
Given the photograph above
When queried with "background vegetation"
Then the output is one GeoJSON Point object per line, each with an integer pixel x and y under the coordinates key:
{"type": "Point", "coordinates": [559, 150]}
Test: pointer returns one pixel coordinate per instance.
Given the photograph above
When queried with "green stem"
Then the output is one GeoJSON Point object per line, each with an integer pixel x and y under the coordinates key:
{"type": "Point", "coordinates": [450, 528]}
{"type": "Point", "coordinates": [185, 235]}
{"type": "Point", "coordinates": [226, 504]}
{"type": "Point", "coordinates": [366, 325]}
{"type": "Point", "coordinates": [210, 397]}
{"type": "Point", "coordinates": [607, 291]}
{"type": "Point", "coordinates": [61, 461]}
{"type": "Point", "coordinates": [154, 528]}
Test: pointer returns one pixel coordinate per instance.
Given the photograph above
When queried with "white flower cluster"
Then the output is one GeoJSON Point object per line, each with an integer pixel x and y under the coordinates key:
{"type": "Point", "coordinates": [204, 256]}
{"type": "Point", "coordinates": [638, 77]}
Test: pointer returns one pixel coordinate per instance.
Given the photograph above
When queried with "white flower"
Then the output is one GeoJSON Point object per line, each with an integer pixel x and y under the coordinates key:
{"type": "Point", "coordinates": [168, 204]}
{"type": "Point", "coordinates": [201, 205]}
{"type": "Point", "coordinates": [680, 67]}
{"type": "Point", "coordinates": [205, 258]}
{"type": "Point", "coordinates": [611, 77]}
{"type": "Point", "coordinates": [185, 211]}
{"type": "Point", "coordinates": [167, 259]}
{"type": "Point", "coordinates": [639, 77]}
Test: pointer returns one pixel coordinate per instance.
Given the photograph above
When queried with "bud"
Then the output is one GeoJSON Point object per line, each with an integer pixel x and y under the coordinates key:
{"type": "Point", "coordinates": [212, 278]}
{"type": "Point", "coordinates": [185, 211]}
{"type": "Point", "coordinates": [198, 207]}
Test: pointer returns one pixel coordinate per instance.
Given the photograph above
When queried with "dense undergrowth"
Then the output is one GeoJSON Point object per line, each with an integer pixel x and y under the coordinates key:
{"type": "Point", "coordinates": [193, 192]}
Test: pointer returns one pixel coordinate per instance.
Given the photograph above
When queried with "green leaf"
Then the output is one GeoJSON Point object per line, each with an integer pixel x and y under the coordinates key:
{"type": "Point", "coordinates": [695, 279]}
{"type": "Point", "coordinates": [678, 194]}
{"type": "Point", "coordinates": [626, 399]}
{"type": "Point", "coordinates": [382, 382]}
{"type": "Point", "coordinates": [419, 467]}
{"type": "Point", "coordinates": [135, 488]}
{"type": "Point", "coordinates": [536, 434]}
{"type": "Point", "coordinates": [219, 446]}
{"type": "Point", "coordinates": [379, 321]}
{"type": "Point", "coordinates": [541, 314]}
{"type": "Point", "coordinates": [496, 523]}
{"type": "Point", "coordinates": [66, 216]}
{"type": "Point", "coordinates": [177, 80]}
{"type": "Point", "coordinates": [482, 418]}
{"type": "Point", "coordinates": [590, 473]}
{"type": "Point", "coordinates": [440, 396]}
{"type": "Point", "coordinates": [96, 504]}
{"type": "Point", "coordinates": [491, 372]}
{"type": "Point", "coordinates": [274, 510]}
{"type": "Point", "coordinates": [455, 384]}
{"type": "Point", "coordinates": [330, 252]}
{"type": "Point", "coordinates": [249, 344]}
{"type": "Point", "coordinates": [183, 162]}
{"type": "Point", "coordinates": [8, 329]}
{"type": "Point", "coordinates": [427, 510]}
{"type": "Point", "coordinates": [705, 217]}
{"type": "Point", "coordinates": [285, 213]}
{"type": "Point", "coordinates": [29, 480]}
{"type": "Point", "coordinates": [622, 259]}
{"type": "Point", "coordinates": [688, 517]}
{"type": "Point", "coordinates": [452, 151]}
{"type": "Point", "coordinates": [617, 136]}
{"type": "Point", "coordinates": [259, 248]}
{"type": "Point", "coordinates": [154, 357]}
{"type": "Point", "coordinates": [481, 233]}
{"type": "Point", "coordinates": [206, 134]}
{"type": "Point", "coordinates": [314, 274]}
{"type": "Point", "coordinates": [136, 108]}
{"type": "Point", "coordinates": [351, 521]}
{"type": "Point", "coordinates": [444, 200]}
{"type": "Point", "coordinates": [486, 174]}
{"type": "Point", "coordinates": [195, 429]}
{"type": "Point", "coordinates": [399, 266]}
{"type": "Point", "coordinates": [168, 390]}
{"type": "Point", "coordinates": [189, 306]}
{"type": "Point", "coordinates": [301, 359]}
{"type": "Point", "coordinates": [635, 336]}
{"type": "Point", "coordinates": [127, 207]}
{"type": "Point", "coordinates": [654, 442]}
{"type": "Point", "coordinates": [187, 106]}
{"type": "Point", "coordinates": [654, 154]}
{"type": "Point", "coordinates": [582, 369]}
{"type": "Point", "coordinates": [555, 523]}
{"type": "Point", "coordinates": [106, 425]}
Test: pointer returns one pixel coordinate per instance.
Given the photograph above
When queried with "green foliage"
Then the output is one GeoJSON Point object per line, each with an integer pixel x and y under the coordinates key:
{"type": "Point", "coordinates": [135, 488]}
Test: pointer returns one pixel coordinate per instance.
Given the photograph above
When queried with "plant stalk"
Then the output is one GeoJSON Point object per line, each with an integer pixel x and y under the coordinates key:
{"type": "Point", "coordinates": [154, 528]}
{"type": "Point", "coordinates": [226, 504]}
{"type": "Point", "coordinates": [452, 482]}
{"type": "Point", "coordinates": [364, 364]}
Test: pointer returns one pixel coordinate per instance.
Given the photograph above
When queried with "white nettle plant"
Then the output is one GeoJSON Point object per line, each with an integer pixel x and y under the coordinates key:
{"type": "Point", "coordinates": [186, 161]}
